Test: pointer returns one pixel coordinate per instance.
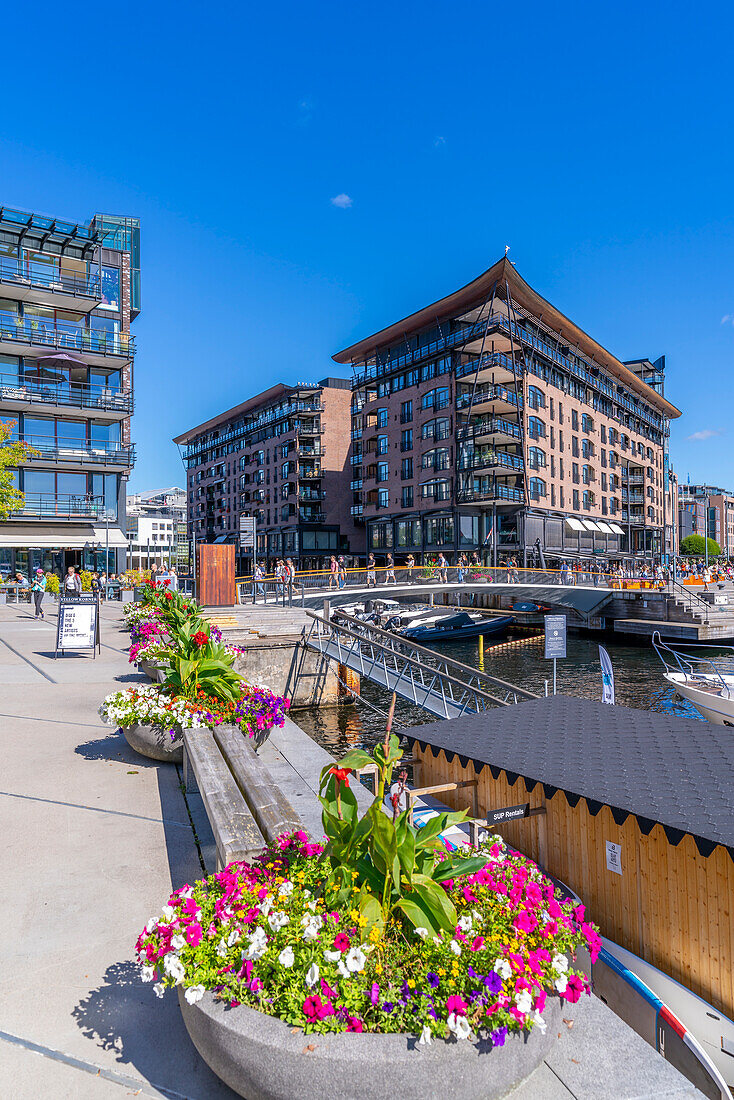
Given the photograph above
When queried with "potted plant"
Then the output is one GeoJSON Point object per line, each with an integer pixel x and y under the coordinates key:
{"type": "Point", "coordinates": [419, 972]}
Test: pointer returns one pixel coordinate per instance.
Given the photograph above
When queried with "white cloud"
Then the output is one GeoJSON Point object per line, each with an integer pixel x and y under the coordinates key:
{"type": "Point", "coordinates": [342, 201]}
{"type": "Point", "coordinates": [439, 141]}
{"type": "Point", "coordinates": [728, 318]}
{"type": "Point", "coordinates": [707, 433]}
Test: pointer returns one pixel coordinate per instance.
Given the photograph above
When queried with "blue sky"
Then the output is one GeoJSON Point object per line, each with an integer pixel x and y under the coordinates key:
{"type": "Point", "coordinates": [595, 140]}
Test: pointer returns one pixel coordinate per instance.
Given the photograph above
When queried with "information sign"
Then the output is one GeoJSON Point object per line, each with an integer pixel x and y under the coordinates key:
{"type": "Point", "coordinates": [614, 857]}
{"type": "Point", "coordinates": [78, 624]}
{"type": "Point", "coordinates": [247, 533]}
{"type": "Point", "coordinates": [555, 636]}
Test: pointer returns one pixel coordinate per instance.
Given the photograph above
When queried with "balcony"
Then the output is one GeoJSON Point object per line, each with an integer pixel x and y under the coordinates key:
{"type": "Point", "coordinates": [51, 506]}
{"type": "Point", "coordinates": [500, 493]}
{"type": "Point", "coordinates": [356, 433]}
{"type": "Point", "coordinates": [310, 452]}
{"type": "Point", "coordinates": [73, 452]}
{"type": "Point", "coordinates": [492, 460]}
{"type": "Point", "coordinates": [355, 485]}
{"type": "Point", "coordinates": [493, 397]}
{"type": "Point", "coordinates": [22, 395]}
{"type": "Point", "coordinates": [312, 494]}
{"type": "Point", "coordinates": [356, 460]}
{"type": "Point", "coordinates": [495, 361]}
{"type": "Point", "coordinates": [36, 336]}
{"type": "Point", "coordinates": [309, 474]}
{"type": "Point", "coordinates": [66, 288]}
{"type": "Point", "coordinates": [357, 511]}
{"type": "Point", "coordinates": [308, 429]}
{"type": "Point", "coordinates": [307, 516]}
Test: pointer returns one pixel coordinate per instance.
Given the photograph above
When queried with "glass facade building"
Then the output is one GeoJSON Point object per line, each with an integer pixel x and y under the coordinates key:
{"type": "Point", "coordinates": [68, 295]}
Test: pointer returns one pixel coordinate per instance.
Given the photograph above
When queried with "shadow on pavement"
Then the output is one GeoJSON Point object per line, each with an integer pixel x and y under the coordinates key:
{"type": "Point", "coordinates": [112, 747]}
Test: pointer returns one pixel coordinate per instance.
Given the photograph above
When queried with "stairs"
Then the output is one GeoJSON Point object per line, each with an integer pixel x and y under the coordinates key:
{"type": "Point", "coordinates": [252, 623]}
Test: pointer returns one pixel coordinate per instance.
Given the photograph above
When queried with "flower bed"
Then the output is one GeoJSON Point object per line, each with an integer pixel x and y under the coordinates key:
{"type": "Point", "coordinates": [262, 935]}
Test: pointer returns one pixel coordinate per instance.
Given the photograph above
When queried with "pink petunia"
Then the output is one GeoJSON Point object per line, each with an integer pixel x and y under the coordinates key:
{"type": "Point", "coordinates": [456, 1004]}
{"type": "Point", "coordinates": [194, 935]}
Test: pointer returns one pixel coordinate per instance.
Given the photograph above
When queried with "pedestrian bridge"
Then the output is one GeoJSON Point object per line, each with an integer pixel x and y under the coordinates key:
{"type": "Point", "coordinates": [585, 600]}
{"type": "Point", "coordinates": [444, 687]}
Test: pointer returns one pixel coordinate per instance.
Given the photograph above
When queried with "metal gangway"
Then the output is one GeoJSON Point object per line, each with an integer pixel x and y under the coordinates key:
{"type": "Point", "coordinates": [440, 685]}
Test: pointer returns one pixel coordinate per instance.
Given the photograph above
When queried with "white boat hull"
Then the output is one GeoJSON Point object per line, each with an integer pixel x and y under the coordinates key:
{"type": "Point", "coordinates": [714, 702]}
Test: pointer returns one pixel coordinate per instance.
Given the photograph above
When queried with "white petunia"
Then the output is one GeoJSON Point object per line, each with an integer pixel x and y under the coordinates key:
{"type": "Point", "coordinates": [459, 1026]}
{"type": "Point", "coordinates": [188, 894]}
{"type": "Point", "coordinates": [147, 973]}
{"type": "Point", "coordinates": [312, 905]}
{"type": "Point", "coordinates": [332, 956]}
{"type": "Point", "coordinates": [561, 983]}
{"type": "Point", "coordinates": [222, 948]}
{"type": "Point", "coordinates": [455, 946]}
{"type": "Point", "coordinates": [257, 945]}
{"type": "Point", "coordinates": [285, 889]}
{"type": "Point", "coordinates": [233, 938]}
{"type": "Point", "coordinates": [422, 932]}
{"type": "Point", "coordinates": [178, 942]}
{"type": "Point", "coordinates": [559, 963]}
{"type": "Point", "coordinates": [343, 970]}
{"type": "Point", "coordinates": [286, 957]}
{"type": "Point", "coordinates": [540, 1022]}
{"type": "Point", "coordinates": [503, 968]}
{"type": "Point", "coordinates": [465, 923]}
{"type": "Point", "coordinates": [355, 960]}
{"type": "Point", "coordinates": [151, 925]}
{"type": "Point", "coordinates": [312, 975]}
{"type": "Point", "coordinates": [173, 966]}
{"type": "Point", "coordinates": [168, 912]}
{"type": "Point", "coordinates": [159, 989]}
{"type": "Point", "coordinates": [311, 926]}
{"type": "Point", "coordinates": [278, 920]}
{"type": "Point", "coordinates": [194, 993]}
{"type": "Point", "coordinates": [426, 1036]}
{"type": "Point", "coordinates": [524, 1001]}
{"type": "Point", "coordinates": [437, 940]}
{"type": "Point", "coordinates": [266, 906]}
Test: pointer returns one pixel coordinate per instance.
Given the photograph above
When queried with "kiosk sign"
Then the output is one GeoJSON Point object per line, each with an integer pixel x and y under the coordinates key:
{"type": "Point", "coordinates": [555, 636]}
{"type": "Point", "coordinates": [78, 624]}
{"type": "Point", "coordinates": [247, 533]}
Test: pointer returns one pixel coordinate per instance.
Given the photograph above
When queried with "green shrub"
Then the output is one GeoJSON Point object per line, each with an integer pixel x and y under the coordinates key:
{"type": "Point", "coordinates": [86, 580]}
{"type": "Point", "coordinates": [52, 583]}
{"type": "Point", "coordinates": [694, 546]}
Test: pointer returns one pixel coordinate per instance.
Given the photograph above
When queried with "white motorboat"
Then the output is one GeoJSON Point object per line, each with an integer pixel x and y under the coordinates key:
{"type": "Point", "coordinates": [705, 681]}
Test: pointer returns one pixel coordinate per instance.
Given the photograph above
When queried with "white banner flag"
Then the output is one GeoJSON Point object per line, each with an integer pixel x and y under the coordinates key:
{"type": "Point", "coordinates": [607, 676]}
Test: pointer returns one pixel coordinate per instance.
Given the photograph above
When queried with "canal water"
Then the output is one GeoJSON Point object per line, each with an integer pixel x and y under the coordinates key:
{"type": "Point", "coordinates": [637, 678]}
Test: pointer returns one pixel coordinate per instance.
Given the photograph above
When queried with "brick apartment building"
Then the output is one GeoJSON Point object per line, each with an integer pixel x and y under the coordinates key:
{"type": "Point", "coordinates": [282, 457]}
{"type": "Point", "coordinates": [706, 509]}
{"type": "Point", "coordinates": [490, 421]}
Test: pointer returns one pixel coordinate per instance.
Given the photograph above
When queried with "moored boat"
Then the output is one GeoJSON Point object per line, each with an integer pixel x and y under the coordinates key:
{"type": "Point", "coordinates": [705, 681]}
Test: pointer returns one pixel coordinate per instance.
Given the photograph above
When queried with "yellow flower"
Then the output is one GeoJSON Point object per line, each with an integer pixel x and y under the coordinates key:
{"type": "Point", "coordinates": [441, 971]}
{"type": "Point", "coordinates": [375, 934]}
{"type": "Point", "coordinates": [354, 913]}
{"type": "Point", "coordinates": [411, 983]}
{"type": "Point", "coordinates": [378, 968]}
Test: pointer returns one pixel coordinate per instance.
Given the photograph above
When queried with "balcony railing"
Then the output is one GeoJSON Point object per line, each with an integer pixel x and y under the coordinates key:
{"type": "Point", "coordinates": [62, 506]}
{"type": "Point", "coordinates": [79, 395]}
{"type": "Point", "coordinates": [356, 510]}
{"type": "Point", "coordinates": [23, 330]}
{"type": "Point", "coordinates": [310, 473]}
{"type": "Point", "coordinates": [491, 425]}
{"type": "Point", "coordinates": [491, 492]}
{"type": "Point", "coordinates": [311, 517]}
{"type": "Point", "coordinates": [489, 459]}
{"type": "Point", "coordinates": [492, 392]}
{"type": "Point", "coordinates": [312, 494]}
{"type": "Point", "coordinates": [72, 450]}
{"type": "Point", "coordinates": [65, 280]}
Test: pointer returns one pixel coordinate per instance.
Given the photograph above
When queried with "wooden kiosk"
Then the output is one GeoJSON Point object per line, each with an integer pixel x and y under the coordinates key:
{"type": "Point", "coordinates": [633, 809]}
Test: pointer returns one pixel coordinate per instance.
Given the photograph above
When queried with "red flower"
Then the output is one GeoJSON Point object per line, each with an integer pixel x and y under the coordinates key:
{"type": "Point", "coordinates": [341, 775]}
{"type": "Point", "coordinates": [342, 942]}
{"type": "Point", "coordinates": [169, 596]}
{"type": "Point", "coordinates": [167, 583]}
{"type": "Point", "coordinates": [200, 638]}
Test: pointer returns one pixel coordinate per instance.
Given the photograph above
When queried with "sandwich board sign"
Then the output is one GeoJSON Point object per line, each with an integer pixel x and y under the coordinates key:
{"type": "Point", "coordinates": [78, 624]}
{"type": "Point", "coordinates": [247, 533]}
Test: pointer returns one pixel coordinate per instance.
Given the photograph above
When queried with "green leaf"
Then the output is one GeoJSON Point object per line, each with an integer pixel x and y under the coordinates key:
{"type": "Point", "coordinates": [369, 907]}
{"type": "Point", "coordinates": [429, 833]}
{"type": "Point", "coordinates": [419, 914]}
{"type": "Point", "coordinates": [437, 900]}
{"type": "Point", "coordinates": [451, 868]}
{"type": "Point", "coordinates": [382, 842]}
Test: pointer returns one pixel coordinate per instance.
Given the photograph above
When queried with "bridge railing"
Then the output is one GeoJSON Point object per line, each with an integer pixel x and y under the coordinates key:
{"type": "Point", "coordinates": [424, 677]}
{"type": "Point", "coordinates": [383, 576]}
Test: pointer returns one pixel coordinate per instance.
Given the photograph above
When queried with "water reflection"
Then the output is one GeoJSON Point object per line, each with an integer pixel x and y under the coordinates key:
{"type": "Point", "coordinates": [637, 676]}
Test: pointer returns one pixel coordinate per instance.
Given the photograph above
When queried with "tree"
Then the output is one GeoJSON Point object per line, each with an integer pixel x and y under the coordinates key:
{"type": "Point", "coordinates": [12, 453]}
{"type": "Point", "coordinates": [694, 546]}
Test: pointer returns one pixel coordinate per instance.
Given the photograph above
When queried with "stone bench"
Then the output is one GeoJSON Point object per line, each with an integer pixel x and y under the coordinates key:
{"type": "Point", "coordinates": [245, 807]}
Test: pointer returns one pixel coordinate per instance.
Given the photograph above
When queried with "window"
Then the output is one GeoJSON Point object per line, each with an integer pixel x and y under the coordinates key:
{"type": "Point", "coordinates": [574, 420]}
{"type": "Point", "coordinates": [603, 482]}
{"type": "Point", "coordinates": [439, 531]}
{"type": "Point", "coordinates": [383, 498]}
{"type": "Point", "coordinates": [406, 470]}
{"type": "Point", "coordinates": [536, 398]}
{"type": "Point", "coordinates": [435, 399]}
{"type": "Point", "coordinates": [536, 458]}
{"type": "Point", "coordinates": [406, 440]}
{"type": "Point", "coordinates": [436, 429]}
{"type": "Point", "coordinates": [552, 437]}
{"type": "Point", "coordinates": [382, 445]}
{"type": "Point", "coordinates": [587, 448]}
{"type": "Point", "coordinates": [436, 490]}
{"type": "Point", "coordinates": [575, 472]}
{"type": "Point", "coordinates": [435, 460]}
{"type": "Point", "coordinates": [587, 424]}
{"type": "Point", "coordinates": [588, 474]}
{"type": "Point", "coordinates": [589, 500]}
{"type": "Point", "coordinates": [406, 412]}
{"type": "Point", "coordinates": [536, 428]}
{"type": "Point", "coordinates": [382, 418]}
{"type": "Point", "coordinates": [603, 433]}
{"type": "Point", "coordinates": [575, 500]}
{"type": "Point", "coordinates": [406, 499]}
{"type": "Point", "coordinates": [382, 471]}
{"type": "Point", "coordinates": [574, 446]}
{"type": "Point", "coordinates": [380, 536]}
{"type": "Point", "coordinates": [537, 488]}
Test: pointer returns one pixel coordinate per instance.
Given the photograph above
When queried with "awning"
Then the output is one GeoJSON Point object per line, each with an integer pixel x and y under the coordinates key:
{"type": "Point", "coordinates": [616, 529]}
{"type": "Point", "coordinates": [589, 525]}
{"type": "Point", "coordinates": [59, 536]}
{"type": "Point", "coordinates": [113, 538]}
{"type": "Point", "coordinates": [604, 527]}
{"type": "Point", "coordinates": [575, 524]}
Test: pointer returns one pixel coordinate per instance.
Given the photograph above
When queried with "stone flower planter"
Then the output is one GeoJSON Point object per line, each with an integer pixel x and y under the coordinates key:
{"type": "Point", "coordinates": [152, 671]}
{"type": "Point", "coordinates": [155, 743]}
{"type": "Point", "coordinates": [261, 1058]}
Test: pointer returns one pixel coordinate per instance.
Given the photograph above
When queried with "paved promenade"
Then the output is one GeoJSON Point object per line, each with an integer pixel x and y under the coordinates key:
{"type": "Point", "coordinates": [95, 838]}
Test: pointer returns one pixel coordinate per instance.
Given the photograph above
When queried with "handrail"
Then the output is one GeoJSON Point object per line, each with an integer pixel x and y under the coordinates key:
{"type": "Point", "coordinates": [689, 665]}
{"type": "Point", "coordinates": [691, 595]}
{"type": "Point", "coordinates": [471, 572]}
{"type": "Point", "coordinates": [422, 650]}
